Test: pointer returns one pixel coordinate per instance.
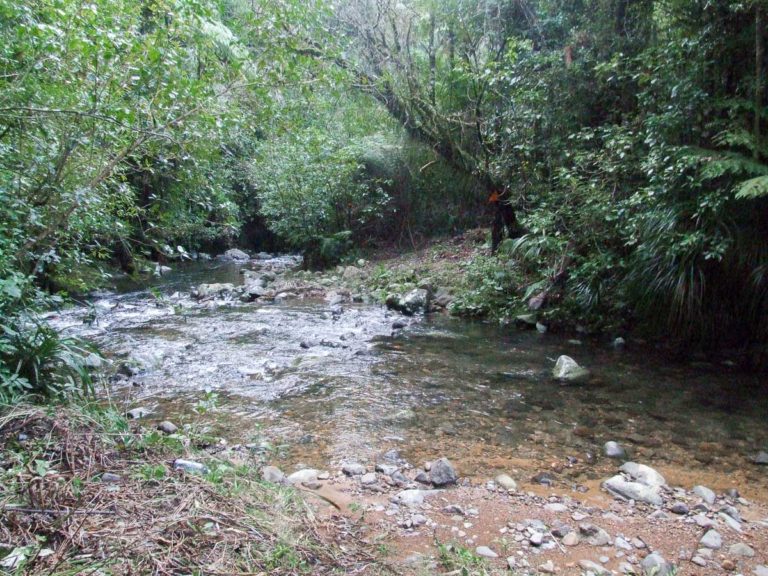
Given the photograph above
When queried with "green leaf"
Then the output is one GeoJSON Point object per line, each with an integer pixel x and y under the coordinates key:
{"type": "Point", "coordinates": [753, 188]}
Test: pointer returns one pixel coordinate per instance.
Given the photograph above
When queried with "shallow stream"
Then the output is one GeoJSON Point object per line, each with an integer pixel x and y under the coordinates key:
{"type": "Point", "coordinates": [324, 385]}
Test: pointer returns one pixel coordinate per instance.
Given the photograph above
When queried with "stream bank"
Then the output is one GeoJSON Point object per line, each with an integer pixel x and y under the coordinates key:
{"type": "Point", "coordinates": [306, 371]}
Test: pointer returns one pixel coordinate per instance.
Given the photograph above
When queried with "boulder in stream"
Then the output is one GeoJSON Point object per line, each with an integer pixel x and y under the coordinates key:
{"type": "Point", "coordinates": [568, 371]}
{"type": "Point", "coordinates": [414, 302]}
{"type": "Point", "coordinates": [234, 254]}
{"type": "Point", "coordinates": [205, 291]}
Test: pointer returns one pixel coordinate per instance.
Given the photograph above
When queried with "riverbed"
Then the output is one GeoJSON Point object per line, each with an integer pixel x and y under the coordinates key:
{"type": "Point", "coordinates": [322, 380]}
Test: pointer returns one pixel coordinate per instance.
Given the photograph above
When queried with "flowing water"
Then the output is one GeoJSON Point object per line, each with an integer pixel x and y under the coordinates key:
{"type": "Point", "coordinates": [325, 384]}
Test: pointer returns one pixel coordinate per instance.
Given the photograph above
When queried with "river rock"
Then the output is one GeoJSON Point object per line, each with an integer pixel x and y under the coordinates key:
{"type": "Point", "coordinates": [731, 522]}
{"type": "Point", "coordinates": [485, 552]}
{"type": "Point", "coordinates": [235, 255]}
{"type": "Point", "coordinates": [655, 565]}
{"type": "Point", "coordinates": [506, 482]}
{"type": "Point", "coordinates": [136, 413]}
{"type": "Point", "coordinates": [442, 473]}
{"type": "Point", "coordinates": [742, 550]}
{"type": "Point", "coordinates": [614, 450]}
{"type": "Point", "coordinates": [761, 458]}
{"type": "Point", "coordinates": [416, 301]}
{"type": "Point", "coordinates": [705, 494]}
{"type": "Point", "coordinates": [190, 466]}
{"type": "Point", "coordinates": [167, 427]}
{"type": "Point", "coordinates": [711, 540]}
{"type": "Point", "coordinates": [205, 291]}
{"type": "Point", "coordinates": [306, 475]}
{"type": "Point", "coordinates": [680, 508]}
{"type": "Point", "coordinates": [593, 567]}
{"type": "Point", "coordinates": [368, 479]}
{"type": "Point", "coordinates": [567, 370]}
{"type": "Point", "coordinates": [621, 487]}
{"type": "Point", "coordinates": [643, 474]}
{"type": "Point", "coordinates": [353, 469]}
{"type": "Point", "coordinates": [272, 474]}
{"type": "Point", "coordinates": [571, 539]}
{"type": "Point", "coordinates": [413, 497]}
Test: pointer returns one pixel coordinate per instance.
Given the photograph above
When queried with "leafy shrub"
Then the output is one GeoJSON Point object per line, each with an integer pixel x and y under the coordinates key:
{"type": "Point", "coordinates": [35, 359]}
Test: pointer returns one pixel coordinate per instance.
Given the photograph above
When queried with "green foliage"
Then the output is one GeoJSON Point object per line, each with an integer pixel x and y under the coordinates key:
{"type": "Point", "coordinates": [35, 359]}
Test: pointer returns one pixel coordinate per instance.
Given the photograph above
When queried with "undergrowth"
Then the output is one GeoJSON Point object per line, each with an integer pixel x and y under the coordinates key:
{"type": "Point", "coordinates": [84, 491]}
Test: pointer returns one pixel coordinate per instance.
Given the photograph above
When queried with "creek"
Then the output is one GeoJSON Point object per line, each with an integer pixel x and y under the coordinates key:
{"type": "Point", "coordinates": [317, 384]}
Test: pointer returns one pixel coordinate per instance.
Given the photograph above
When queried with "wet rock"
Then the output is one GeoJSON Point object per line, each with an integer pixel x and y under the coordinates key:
{"type": "Point", "coordinates": [614, 450]}
{"type": "Point", "coordinates": [136, 413]}
{"type": "Point", "coordinates": [399, 325]}
{"type": "Point", "coordinates": [761, 458]}
{"type": "Point", "coordinates": [526, 321]}
{"type": "Point", "coordinates": [272, 474]}
{"type": "Point", "coordinates": [593, 567]}
{"type": "Point", "coordinates": [621, 487]}
{"type": "Point", "coordinates": [353, 469]}
{"type": "Point", "coordinates": [302, 476]}
{"type": "Point", "coordinates": [234, 254]}
{"type": "Point", "coordinates": [167, 427]}
{"type": "Point", "coordinates": [443, 473]}
{"type": "Point", "coordinates": [111, 478]}
{"type": "Point", "coordinates": [705, 494]}
{"type": "Point", "coordinates": [567, 370]}
{"type": "Point", "coordinates": [162, 270]}
{"type": "Point", "coordinates": [416, 301]}
{"type": "Point", "coordinates": [190, 466]}
{"type": "Point", "coordinates": [711, 540]}
{"type": "Point", "coordinates": [206, 291]}
{"type": "Point", "coordinates": [506, 482]}
{"type": "Point", "coordinates": [741, 550]}
{"type": "Point", "coordinates": [655, 565]}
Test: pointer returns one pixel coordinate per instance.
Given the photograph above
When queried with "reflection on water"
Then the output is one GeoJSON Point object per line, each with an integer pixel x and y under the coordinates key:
{"type": "Point", "coordinates": [340, 387]}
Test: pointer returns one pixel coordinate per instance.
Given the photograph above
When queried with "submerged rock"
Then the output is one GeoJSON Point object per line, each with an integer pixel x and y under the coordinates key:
{"type": "Point", "coordinates": [567, 370]}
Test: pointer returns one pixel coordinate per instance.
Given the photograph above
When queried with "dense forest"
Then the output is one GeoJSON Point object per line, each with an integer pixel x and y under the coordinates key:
{"type": "Point", "coordinates": [623, 141]}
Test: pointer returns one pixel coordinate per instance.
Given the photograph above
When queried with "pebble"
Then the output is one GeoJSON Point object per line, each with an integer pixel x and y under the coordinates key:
{"type": "Point", "coordinates": [760, 570]}
{"type": "Point", "coordinates": [742, 550]}
{"type": "Point", "coordinates": [167, 427]}
{"type": "Point", "coordinates": [506, 482]}
{"type": "Point", "coordinates": [536, 539]}
{"type": "Point", "coordinates": [705, 494]}
{"type": "Point", "coordinates": [190, 466]}
{"type": "Point", "coordinates": [679, 508]}
{"type": "Point", "coordinates": [594, 567]}
{"type": "Point", "coordinates": [614, 450]}
{"type": "Point", "coordinates": [368, 479]}
{"type": "Point", "coordinates": [485, 552]}
{"type": "Point", "coordinates": [354, 469]}
{"type": "Point", "coordinates": [622, 544]}
{"type": "Point", "coordinates": [730, 522]}
{"type": "Point", "coordinates": [699, 561]}
{"type": "Point", "coordinates": [571, 539]}
{"type": "Point", "coordinates": [703, 522]}
{"type": "Point", "coordinates": [556, 507]}
{"type": "Point", "coordinates": [712, 540]}
{"type": "Point", "coordinates": [637, 543]}
{"type": "Point", "coordinates": [548, 567]}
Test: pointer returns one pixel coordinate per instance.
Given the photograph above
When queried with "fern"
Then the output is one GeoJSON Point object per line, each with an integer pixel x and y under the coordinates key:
{"type": "Point", "coordinates": [753, 188]}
